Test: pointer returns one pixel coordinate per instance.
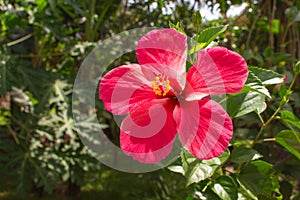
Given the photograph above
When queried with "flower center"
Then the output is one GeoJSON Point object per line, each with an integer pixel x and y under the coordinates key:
{"type": "Point", "coordinates": [161, 85]}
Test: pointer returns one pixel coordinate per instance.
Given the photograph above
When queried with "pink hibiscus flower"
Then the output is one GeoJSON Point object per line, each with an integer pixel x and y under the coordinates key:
{"type": "Point", "coordinates": [162, 100]}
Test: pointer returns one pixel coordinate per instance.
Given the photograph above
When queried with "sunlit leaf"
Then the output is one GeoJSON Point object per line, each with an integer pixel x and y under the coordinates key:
{"type": "Point", "coordinates": [243, 104]}
{"type": "Point", "coordinates": [289, 117]}
{"type": "Point", "coordinates": [176, 169]}
{"type": "Point", "coordinates": [267, 77]}
{"type": "Point", "coordinates": [177, 26]}
{"type": "Point", "coordinates": [254, 84]}
{"type": "Point", "coordinates": [197, 170]}
{"type": "Point", "coordinates": [209, 34]}
{"type": "Point", "coordinates": [225, 188]}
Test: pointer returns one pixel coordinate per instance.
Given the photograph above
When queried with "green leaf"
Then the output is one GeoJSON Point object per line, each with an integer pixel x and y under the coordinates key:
{"type": "Point", "coordinates": [197, 19]}
{"type": "Point", "coordinates": [160, 3]}
{"type": "Point", "coordinates": [225, 188]}
{"type": "Point", "coordinates": [267, 77]}
{"type": "Point", "coordinates": [176, 169]}
{"type": "Point", "coordinates": [178, 26]}
{"type": "Point", "coordinates": [289, 117]}
{"type": "Point", "coordinates": [205, 192]}
{"type": "Point", "coordinates": [282, 91]}
{"type": "Point", "coordinates": [258, 179]}
{"type": "Point", "coordinates": [206, 37]}
{"type": "Point", "coordinates": [4, 115]}
{"type": "Point", "coordinates": [244, 154]}
{"type": "Point", "coordinates": [243, 104]}
{"type": "Point", "coordinates": [209, 34]}
{"type": "Point", "coordinates": [293, 14]}
{"type": "Point", "coordinates": [254, 84]}
{"type": "Point", "coordinates": [296, 68]}
{"type": "Point", "coordinates": [290, 140]}
{"type": "Point", "coordinates": [196, 170]}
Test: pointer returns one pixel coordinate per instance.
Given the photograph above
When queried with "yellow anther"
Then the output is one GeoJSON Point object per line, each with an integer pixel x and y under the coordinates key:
{"type": "Point", "coordinates": [161, 86]}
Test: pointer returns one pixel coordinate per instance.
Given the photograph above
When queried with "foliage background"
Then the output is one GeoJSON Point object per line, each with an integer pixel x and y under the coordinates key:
{"type": "Point", "coordinates": [43, 43]}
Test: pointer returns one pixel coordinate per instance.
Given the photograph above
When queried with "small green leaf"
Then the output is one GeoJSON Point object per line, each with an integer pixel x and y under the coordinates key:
{"type": "Point", "coordinates": [197, 19]}
{"type": "Point", "coordinates": [225, 188]}
{"type": "Point", "coordinates": [290, 140]}
{"type": "Point", "coordinates": [206, 37]}
{"type": "Point", "coordinates": [178, 26]}
{"type": "Point", "coordinates": [289, 117]}
{"type": "Point", "coordinates": [296, 68]}
{"type": "Point", "coordinates": [160, 3]}
{"type": "Point", "coordinates": [267, 77]}
{"type": "Point", "coordinates": [209, 34]}
{"type": "Point", "coordinates": [244, 154]}
{"type": "Point", "coordinates": [243, 104]}
{"type": "Point", "coordinates": [282, 91]}
{"type": "Point", "coordinates": [258, 179]}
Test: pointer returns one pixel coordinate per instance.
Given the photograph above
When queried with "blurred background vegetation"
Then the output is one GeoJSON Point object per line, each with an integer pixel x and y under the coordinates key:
{"type": "Point", "coordinates": [43, 43]}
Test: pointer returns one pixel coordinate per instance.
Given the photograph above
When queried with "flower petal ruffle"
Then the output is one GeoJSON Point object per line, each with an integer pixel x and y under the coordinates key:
{"type": "Point", "coordinates": [163, 48]}
{"type": "Point", "coordinates": [216, 71]}
{"type": "Point", "coordinates": [125, 87]}
{"type": "Point", "coordinates": [204, 128]}
{"type": "Point", "coordinates": [148, 132]}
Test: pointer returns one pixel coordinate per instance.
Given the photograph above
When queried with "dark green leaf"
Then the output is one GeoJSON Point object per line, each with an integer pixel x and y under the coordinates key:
{"type": "Point", "coordinates": [290, 140]}
{"type": "Point", "coordinates": [286, 189]}
{"type": "Point", "coordinates": [206, 194]}
{"type": "Point", "coordinates": [243, 104]}
{"type": "Point", "coordinates": [197, 19]}
{"type": "Point", "coordinates": [244, 154]}
{"type": "Point", "coordinates": [225, 188]}
{"type": "Point", "coordinates": [257, 178]}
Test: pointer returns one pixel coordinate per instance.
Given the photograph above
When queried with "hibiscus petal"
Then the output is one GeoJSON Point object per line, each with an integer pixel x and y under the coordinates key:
{"type": "Point", "coordinates": [166, 47]}
{"type": "Point", "coordinates": [204, 128]}
{"type": "Point", "coordinates": [148, 132]}
{"type": "Point", "coordinates": [124, 87]}
{"type": "Point", "coordinates": [216, 71]}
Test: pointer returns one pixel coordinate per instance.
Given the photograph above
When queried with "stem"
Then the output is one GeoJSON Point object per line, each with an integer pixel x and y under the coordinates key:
{"type": "Point", "coordinates": [13, 133]}
{"type": "Point", "coordinates": [22, 126]}
{"type": "Point", "coordinates": [19, 40]}
{"type": "Point", "coordinates": [253, 26]}
{"type": "Point", "coordinates": [101, 17]}
{"type": "Point", "coordinates": [260, 118]}
{"type": "Point", "coordinates": [223, 100]}
{"type": "Point", "coordinates": [271, 35]}
{"type": "Point", "coordinates": [268, 140]}
{"type": "Point", "coordinates": [89, 21]}
{"type": "Point", "coordinates": [282, 103]}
